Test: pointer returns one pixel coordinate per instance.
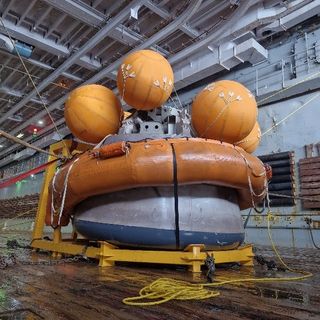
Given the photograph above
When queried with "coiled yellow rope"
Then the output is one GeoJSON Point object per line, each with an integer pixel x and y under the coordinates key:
{"type": "Point", "coordinates": [165, 289]}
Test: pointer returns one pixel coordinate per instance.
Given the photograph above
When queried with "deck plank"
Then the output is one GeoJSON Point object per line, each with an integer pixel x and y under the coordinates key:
{"type": "Point", "coordinates": [83, 291]}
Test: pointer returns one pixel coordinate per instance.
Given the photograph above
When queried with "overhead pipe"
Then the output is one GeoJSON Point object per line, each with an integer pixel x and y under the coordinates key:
{"type": "Point", "coordinates": [212, 36]}
{"type": "Point", "coordinates": [276, 202]}
{"type": "Point", "coordinates": [281, 170]}
{"type": "Point", "coordinates": [280, 186]}
{"type": "Point", "coordinates": [281, 178]}
{"type": "Point", "coordinates": [268, 16]}
{"type": "Point", "coordinates": [279, 163]}
{"type": "Point", "coordinates": [276, 156]}
{"type": "Point", "coordinates": [307, 11]}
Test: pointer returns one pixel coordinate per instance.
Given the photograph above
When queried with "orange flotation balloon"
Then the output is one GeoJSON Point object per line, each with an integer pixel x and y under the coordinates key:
{"type": "Point", "coordinates": [225, 111]}
{"type": "Point", "coordinates": [251, 142]}
{"type": "Point", "coordinates": [145, 80]}
{"type": "Point", "coordinates": [92, 112]}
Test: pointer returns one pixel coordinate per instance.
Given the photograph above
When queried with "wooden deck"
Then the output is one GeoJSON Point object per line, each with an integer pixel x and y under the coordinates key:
{"type": "Point", "coordinates": [83, 291]}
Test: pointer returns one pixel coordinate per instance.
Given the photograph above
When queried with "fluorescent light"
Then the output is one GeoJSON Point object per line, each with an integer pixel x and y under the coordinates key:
{"type": "Point", "coordinates": [40, 122]}
{"type": "Point", "coordinates": [20, 135]}
{"type": "Point", "coordinates": [1, 145]}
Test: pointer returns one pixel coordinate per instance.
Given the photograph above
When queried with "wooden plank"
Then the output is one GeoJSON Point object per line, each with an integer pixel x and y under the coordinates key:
{"type": "Point", "coordinates": [310, 179]}
{"type": "Point", "coordinates": [85, 291]}
{"type": "Point", "coordinates": [310, 192]}
{"type": "Point", "coordinates": [307, 172]}
{"type": "Point", "coordinates": [308, 166]}
{"type": "Point", "coordinates": [311, 204]}
{"type": "Point", "coordinates": [310, 160]}
{"type": "Point", "coordinates": [309, 150]}
{"type": "Point", "coordinates": [310, 185]}
{"type": "Point", "coordinates": [318, 148]}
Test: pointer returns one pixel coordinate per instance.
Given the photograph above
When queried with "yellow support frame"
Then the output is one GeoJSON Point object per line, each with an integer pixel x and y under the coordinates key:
{"type": "Point", "coordinates": [193, 256]}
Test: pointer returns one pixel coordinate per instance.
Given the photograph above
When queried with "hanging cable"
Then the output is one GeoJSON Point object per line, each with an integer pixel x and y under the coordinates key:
{"type": "Point", "coordinates": [175, 91]}
{"type": "Point", "coordinates": [35, 87]}
{"type": "Point", "coordinates": [247, 219]}
{"type": "Point", "coordinates": [311, 235]}
{"type": "Point", "coordinates": [26, 144]}
{"type": "Point", "coordinates": [308, 222]}
{"type": "Point", "coordinates": [33, 76]}
{"type": "Point", "coordinates": [279, 195]}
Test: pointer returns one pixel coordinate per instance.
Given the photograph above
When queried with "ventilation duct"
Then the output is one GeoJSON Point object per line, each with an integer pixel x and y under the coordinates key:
{"type": "Point", "coordinates": [5, 43]}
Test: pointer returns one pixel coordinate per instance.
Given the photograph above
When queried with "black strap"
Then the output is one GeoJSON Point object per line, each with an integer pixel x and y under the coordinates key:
{"type": "Point", "coordinates": [176, 196]}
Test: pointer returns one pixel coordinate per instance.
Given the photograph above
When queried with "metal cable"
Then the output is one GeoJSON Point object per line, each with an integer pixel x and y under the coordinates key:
{"type": "Point", "coordinates": [35, 88]}
{"type": "Point", "coordinates": [312, 239]}
{"type": "Point", "coordinates": [247, 219]}
{"type": "Point", "coordinates": [279, 195]}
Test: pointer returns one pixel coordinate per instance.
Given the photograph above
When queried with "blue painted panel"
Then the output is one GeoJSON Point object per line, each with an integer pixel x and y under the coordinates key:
{"type": "Point", "coordinates": [23, 49]}
{"type": "Point", "coordinates": [156, 238]}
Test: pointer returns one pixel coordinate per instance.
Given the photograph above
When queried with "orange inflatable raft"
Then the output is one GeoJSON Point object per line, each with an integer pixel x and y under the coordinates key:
{"type": "Point", "coordinates": [126, 165]}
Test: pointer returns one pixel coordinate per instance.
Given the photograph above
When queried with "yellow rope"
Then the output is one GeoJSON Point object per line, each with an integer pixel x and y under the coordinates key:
{"type": "Point", "coordinates": [17, 216]}
{"type": "Point", "coordinates": [304, 273]}
{"type": "Point", "coordinates": [291, 114]}
{"type": "Point", "coordinates": [289, 87]}
{"type": "Point", "coordinates": [165, 289]}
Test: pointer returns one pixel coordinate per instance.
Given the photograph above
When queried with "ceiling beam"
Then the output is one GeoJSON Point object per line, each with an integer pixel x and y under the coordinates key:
{"type": "Point", "coordinates": [35, 39]}
{"type": "Point", "coordinates": [163, 33]}
{"type": "Point", "coordinates": [95, 18]}
{"type": "Point", "coordinates": [40, 65]}
{"type": "Point", "coordinates": [91, 43]}
{"type": "Point", "coordinates": [219, 33]}
{"type": "Point", "coordinates": [16, 94]}
{"type": "Point", "coordinates": [49, 68]}
{"type": "Point", "coordinates": [80, 11]}
{"type": "Point", "coordinates": [166, 15]}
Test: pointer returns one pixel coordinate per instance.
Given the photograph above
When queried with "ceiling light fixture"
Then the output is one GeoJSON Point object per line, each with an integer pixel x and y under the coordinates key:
{"type": "Point", "coordinates": [40, 122]}
{"type": "Point", "coordinates": [20, 135]}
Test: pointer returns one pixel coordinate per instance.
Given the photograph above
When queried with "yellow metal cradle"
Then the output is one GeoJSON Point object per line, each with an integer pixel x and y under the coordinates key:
{"type": "Point", "coordinates": [193, 256]}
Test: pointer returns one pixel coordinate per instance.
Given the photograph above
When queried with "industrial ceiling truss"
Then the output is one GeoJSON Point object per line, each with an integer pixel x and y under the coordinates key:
{"type": "Point", "coordinates": [66, 43]}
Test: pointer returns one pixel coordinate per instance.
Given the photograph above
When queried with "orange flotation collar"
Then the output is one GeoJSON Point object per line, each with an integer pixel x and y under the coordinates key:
{"type": "Point", "coordinates": [125, 165]}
